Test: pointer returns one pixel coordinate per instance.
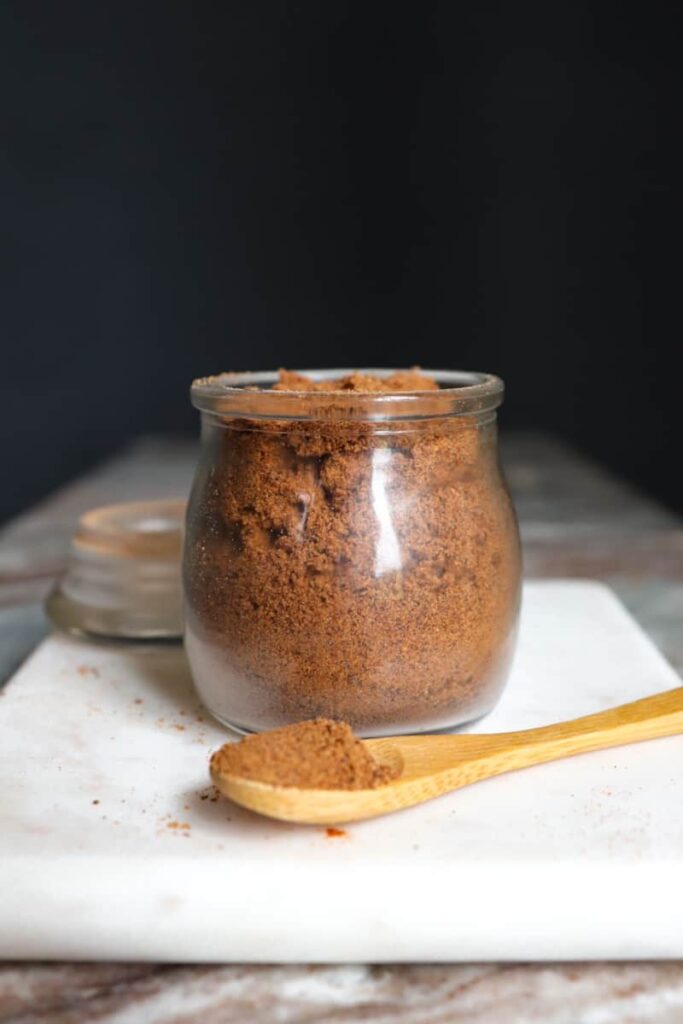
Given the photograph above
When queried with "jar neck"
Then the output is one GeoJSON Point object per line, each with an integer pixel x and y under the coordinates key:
{"type": "Point", "coordinates": [251, 396]}
{"type": "Point", "coordinates": [212, 423]}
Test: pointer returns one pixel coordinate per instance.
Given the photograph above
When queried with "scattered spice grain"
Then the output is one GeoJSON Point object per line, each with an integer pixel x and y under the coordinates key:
{"type": "Point", "coordinates": [319, 754]}
{"type": "Point", "coordinates": [86, 671]}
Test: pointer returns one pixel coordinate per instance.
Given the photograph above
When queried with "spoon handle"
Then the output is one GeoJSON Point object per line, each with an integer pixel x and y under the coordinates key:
{"type": "Point", "coordinates": [646, 719]}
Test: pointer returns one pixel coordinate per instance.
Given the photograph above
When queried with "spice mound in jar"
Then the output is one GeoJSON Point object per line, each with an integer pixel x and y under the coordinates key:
{"type": "Point", "coordinates": [349, 569]}
{"type": "Point", "coordinates": [401, 381]}
{"type": "Point", "coordinates": [320, 754]}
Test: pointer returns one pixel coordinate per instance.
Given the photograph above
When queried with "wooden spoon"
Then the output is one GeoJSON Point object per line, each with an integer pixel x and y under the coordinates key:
{"type": "Point", "coordinates": [432, 765]}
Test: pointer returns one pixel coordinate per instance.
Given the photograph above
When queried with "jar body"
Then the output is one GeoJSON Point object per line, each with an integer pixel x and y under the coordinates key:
{"type": "Point", "coordinates": [358, 571]}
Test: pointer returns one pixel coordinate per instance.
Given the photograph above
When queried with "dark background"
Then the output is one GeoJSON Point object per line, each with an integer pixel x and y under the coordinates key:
{"type": "Point", "coordinates": [191, 187]}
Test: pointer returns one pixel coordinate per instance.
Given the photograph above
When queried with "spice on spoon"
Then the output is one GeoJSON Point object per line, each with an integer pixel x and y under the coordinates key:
{"type": "Point", "coordinates": [317, 754]}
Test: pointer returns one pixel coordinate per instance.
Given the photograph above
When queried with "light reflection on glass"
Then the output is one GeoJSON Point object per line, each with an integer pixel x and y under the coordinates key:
{"type": "Point", "coordinates": [388, 552]}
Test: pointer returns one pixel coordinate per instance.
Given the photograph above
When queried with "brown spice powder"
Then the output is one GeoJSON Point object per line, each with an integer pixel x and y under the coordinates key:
{"type": "Point", "coordinates": [401, 381]}
{"type": "Point", "coordinates": [320, 754]}
{"type": "Point", "coordinates": [291, 614]}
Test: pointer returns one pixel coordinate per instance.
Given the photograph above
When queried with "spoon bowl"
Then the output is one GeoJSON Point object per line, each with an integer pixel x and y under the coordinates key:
{"type": "Point", "coordinates": [430, 765]}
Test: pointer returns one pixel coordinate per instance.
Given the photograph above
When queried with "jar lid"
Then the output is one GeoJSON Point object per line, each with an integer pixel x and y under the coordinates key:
{"type": "Point", "coordinates": [122, 579]}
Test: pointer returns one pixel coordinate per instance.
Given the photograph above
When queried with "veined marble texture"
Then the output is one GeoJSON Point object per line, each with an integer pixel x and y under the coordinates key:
{"type": "Point", "coordinates": [596, 993]}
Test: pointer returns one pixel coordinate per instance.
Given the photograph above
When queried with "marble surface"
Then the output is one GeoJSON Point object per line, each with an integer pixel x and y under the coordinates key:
{"type": "Point", "coordinates": [576, 520]}
{"type": "Point", "coordinates": [126, 853]}
{"type": "Point", "coordinates": [647, 993]}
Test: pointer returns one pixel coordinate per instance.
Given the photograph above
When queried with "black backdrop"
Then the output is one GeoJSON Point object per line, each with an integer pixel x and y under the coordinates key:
{"type": "Point", "coordinates": [190, 187]}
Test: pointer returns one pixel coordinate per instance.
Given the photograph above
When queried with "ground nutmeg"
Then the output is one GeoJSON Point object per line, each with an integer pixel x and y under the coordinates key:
{"type": "Point", "coordinates": [320, 754]}
{"type": "Point", "coordinates": [350, 567]}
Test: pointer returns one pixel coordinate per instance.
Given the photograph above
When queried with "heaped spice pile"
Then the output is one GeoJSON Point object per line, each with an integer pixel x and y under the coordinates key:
{"type": "Point", "coordinates": [336, 568]}
{"type": "Point", "coordinates": [401, 381]}
{"type": "Point", "coordinates": [320, 754]}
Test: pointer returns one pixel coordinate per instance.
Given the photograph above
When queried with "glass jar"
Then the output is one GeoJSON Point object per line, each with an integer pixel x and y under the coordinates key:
{"type": "Point", "coordinates": [122, 579]}
{"type": "Point", "coordinates": [350, 555]}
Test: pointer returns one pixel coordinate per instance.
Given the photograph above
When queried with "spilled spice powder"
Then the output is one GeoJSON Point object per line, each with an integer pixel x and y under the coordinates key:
{"type": "Point", "coordinates": [86, 671]}
{"type": "Point", "coordinates": [211, 794]}
{"type": "Point", "coordinates": [320, 754]}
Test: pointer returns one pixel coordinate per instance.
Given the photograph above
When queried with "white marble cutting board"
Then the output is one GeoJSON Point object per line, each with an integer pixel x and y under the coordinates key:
{"type": "Point", "coordinates": [111, 846]}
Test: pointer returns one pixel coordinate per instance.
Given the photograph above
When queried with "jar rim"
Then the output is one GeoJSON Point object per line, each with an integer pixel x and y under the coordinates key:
{"type": "Point", "coordinates": [461, 393]}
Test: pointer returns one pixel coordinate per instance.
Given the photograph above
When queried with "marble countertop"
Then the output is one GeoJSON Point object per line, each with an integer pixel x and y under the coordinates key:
{"type": "Point", "coordinates": [576, 521]}
{"type": "Point", "coordinates": [481, 993]}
